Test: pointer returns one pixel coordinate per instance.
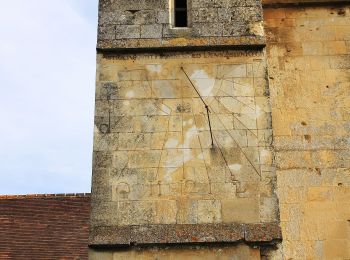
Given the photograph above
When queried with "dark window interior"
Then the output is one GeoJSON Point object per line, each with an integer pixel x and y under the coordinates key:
{"type": "Point", "coordinates": [180, 13]}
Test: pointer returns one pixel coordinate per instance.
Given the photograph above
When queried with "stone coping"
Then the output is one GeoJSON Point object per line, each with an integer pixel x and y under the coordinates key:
{"type": "Point", "coordinates": [181, 43]}
{"type": "Point", "coordinates": [43, 196]}
{"type": "Point", "coordinates": [281, 3]}
{"type": "Point", "coordinates": [106, 236]}
{"type": "Point", "coordinates": [179, 50]}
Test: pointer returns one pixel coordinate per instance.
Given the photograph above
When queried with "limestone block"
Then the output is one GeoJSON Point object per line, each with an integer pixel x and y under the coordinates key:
{"type": "Point", "coordinates": [145, 17]}
{"type": "Point", "coordinates": [265, 156]}
{"type": "Point", "coordinates": [105, 142]}
{"type": "Point", "coordinates": [128, 31]}
{"type": "Point", "coordinates": [268, 209]}
{"type": "Point", "coordinates": [266, 185]}
{"type": "Point", "coordinates": [210, 29]}
{"type": "Point", "coordinates": [102, 159]}
{"type": "Point", "coordinates": [218, 174]}
{"type": "Point", "coordinates": [264, 137]}
{"type": "Point", "coordinates": [162, 17]}
{"type": "Point", "coordinates": [337, 230]}
{"type": "Point", "coordinates": [240, 210]}
{"type": "Point", "coordinates": [244, 121]}
{"type": "Point", "coordinates": [134, 141]}
{"type": "Point", "coordinates": [336, 249]}
{"type": "Point", "coordinates": [125, 5]}
{"type": "Point", "coordinates": [151, 31]}
{"type": "Point", "coordinates": [224, 190]}
{"type": "Point", "coordinates": [205, 15]}
{"type": "Point", "coordinates": [234, 71]}
{"type": "Point", "coordinates": [264, 120]}
{"type": "Point", "coordinates": [320, 194]}
{"type": "Point", "coordinates": [107, 91]}
{"type": "Point", "coordinates": [241, 137]}
{"type": "Point", "coordinates": [187, 253]}
{"type": "Point", "coordinates": [247, 189]}
{"type": "Point", "coordinates": [107, 32]}
{"type": "Point", "coordinates": [150, 124]}
{"type": "Point", "coordinates": [207, 3]}
{"type": "Point", "coordinates": [166, 212]}
{"type": "Point", "coordinates": [115, 17]}
{"type": "Point", "coordinates": [245, 173]}
{"type": "Point", "coordinates": [101, 188]}
{"type": "Point", "coordinates": [144, 159]}
{"type": "Point", "coordinates": [291, 159]}
{"type": "Point", "coordinates": [136, 212]}
{"type": "Point", "coordinates": [170, 175]}
{"type": "Point", "coordinates": [104, 213]}
{"type": "Point", "coordinates": [128, 90]}
{"type": "Point", "coordinates": [209, 211]}
{"type": "Point", "coordinates": [187, 212]}
{"type": "Point", "coordinates": [98, 255]}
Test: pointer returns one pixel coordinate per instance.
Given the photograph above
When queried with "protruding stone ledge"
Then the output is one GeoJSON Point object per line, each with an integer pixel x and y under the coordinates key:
{"type": "Point", "coordinates": [287, 3]}
{"type": "Point", "coordinates": [122, 236]}
{"type": "Point", "coordinates": [180, 43]}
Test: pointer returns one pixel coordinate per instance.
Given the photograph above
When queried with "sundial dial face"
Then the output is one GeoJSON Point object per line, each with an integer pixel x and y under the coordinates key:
{"type": "Point", "coordinates": [182, 139]}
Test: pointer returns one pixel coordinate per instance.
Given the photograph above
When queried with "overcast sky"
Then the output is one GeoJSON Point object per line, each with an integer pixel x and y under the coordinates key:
{"type": "Point", "coordinates": [47, 74]}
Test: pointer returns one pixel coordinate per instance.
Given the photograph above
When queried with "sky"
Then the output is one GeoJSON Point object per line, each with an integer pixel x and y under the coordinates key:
{"type": "Point", "coordinates": [47, 81]}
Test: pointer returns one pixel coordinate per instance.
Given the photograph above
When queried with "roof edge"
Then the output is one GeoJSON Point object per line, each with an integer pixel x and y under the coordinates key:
{"type": "Point", "coordinates": [44, 196]}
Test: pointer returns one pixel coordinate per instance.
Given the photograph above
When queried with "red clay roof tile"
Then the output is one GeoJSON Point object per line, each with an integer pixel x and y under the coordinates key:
{"type": "Point", "coordinates": [51, 226]}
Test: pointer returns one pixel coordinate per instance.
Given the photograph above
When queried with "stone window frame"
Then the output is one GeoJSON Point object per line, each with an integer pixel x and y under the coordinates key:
{"type": "Point", "coordinates": [172, 16]}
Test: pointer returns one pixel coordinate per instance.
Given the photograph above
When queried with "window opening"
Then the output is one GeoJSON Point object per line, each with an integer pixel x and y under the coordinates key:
{"type": "Point", "coordinates": [180, 13]}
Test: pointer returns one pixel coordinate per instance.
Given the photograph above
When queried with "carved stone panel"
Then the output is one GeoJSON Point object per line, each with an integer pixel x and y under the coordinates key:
{"type": "Point", "coordinates": [182, 138]}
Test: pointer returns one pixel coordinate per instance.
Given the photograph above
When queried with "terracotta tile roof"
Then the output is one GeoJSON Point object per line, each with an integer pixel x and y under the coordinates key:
{"type": "Point", "coordinates": [44, 226]}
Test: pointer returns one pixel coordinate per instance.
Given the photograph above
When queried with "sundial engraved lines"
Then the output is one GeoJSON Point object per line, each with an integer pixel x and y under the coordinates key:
{"type": "Point", "coordinates": [202, 151]}
{"type": "Point", "coordinates": [242, 68]}
{"type": "Point", "coordinates": [167, 110]}
{"type": "Point", "coordinates": [158, 124]}
{"type": "Point", "coordinates": [256, 121]}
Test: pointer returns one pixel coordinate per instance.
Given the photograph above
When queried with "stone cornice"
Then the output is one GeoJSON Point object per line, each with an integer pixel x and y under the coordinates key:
{"type": "Point", "coordinates": [121, 236]}
{"type": "Point", "coordinates": [280, 3]}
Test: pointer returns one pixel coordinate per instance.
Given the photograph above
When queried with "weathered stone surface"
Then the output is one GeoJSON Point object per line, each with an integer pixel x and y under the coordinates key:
{"type": "Point", "coordinates": [263, 233]}
{"type": "Point", "coordinates": [156, 175]}
{"type": "Point", "coordinates": [271, 3]}
{"type": "Point", "coordinates": [185, 252]}
{"type": "Point", "coordinates": [185, 234]}
{"type": "Point", "coordinates": [309, 82]}
{"type": "Point", "coordinates": [141, 193]}
{"type": "Point", "coordinates": [231, 22]}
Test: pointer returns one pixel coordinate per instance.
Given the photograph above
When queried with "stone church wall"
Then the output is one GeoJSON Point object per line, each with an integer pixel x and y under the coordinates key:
{"type": "Point", "coordinates": [292, 101]}
{"type": "Point", "coordinates": [309, 75]}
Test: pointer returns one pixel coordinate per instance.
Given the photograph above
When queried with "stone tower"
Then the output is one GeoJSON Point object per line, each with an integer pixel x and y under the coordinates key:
{"type": "Point", "coordinates": [182, 143]}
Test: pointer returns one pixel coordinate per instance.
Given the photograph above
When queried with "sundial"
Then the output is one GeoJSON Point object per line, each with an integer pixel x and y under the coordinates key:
{"type": "Point", "coordinates": [183, 139]}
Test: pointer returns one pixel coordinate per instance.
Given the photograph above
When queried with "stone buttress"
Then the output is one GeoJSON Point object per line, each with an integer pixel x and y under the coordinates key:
{"type": "Point", "coordinates": [183, 158]}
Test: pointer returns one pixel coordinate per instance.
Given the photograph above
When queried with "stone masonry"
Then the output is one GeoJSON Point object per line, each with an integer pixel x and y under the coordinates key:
{"type": "Point", "coordinates": [226, 139]}
{"type": "Point", "coordinates": [309, 74]}
{"type": "Point", "coordinates": [153, 159]}
{"type": "Point", "coordinates": [182, 142]}
{"type": "Point", "coordinates": [147, 23]}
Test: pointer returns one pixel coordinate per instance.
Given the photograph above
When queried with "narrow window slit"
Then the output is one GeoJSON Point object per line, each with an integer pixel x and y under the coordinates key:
{"type": "Point", "coordinates": [180, 13]}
